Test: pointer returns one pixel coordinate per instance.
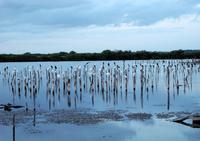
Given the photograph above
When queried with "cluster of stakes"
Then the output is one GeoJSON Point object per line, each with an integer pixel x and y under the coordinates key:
{"type": "Point", "coordinates": [109, 79]}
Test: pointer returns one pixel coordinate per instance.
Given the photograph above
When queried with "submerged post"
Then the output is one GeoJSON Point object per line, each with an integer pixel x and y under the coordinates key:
{"type": "Point", "coordinates": [14, 127]}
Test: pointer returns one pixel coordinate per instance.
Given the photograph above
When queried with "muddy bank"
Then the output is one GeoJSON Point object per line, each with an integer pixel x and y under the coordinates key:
{"type": "Point", "coordinates": [81, 116]}
{"type": "Point", "coordinates": [172, 115]}
{"type": "Point", "coordinates": [21, 116]}
{"type": "Point", "coordinates": [78, 117]}
{"type": "Point", "coordinates": [139, 116]}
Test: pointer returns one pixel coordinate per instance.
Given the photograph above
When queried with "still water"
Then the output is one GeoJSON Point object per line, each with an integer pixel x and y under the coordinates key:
{"type": "Point", "coordinates": [58, 92]}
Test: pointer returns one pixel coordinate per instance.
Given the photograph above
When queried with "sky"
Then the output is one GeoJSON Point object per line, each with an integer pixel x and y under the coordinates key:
{"type": "Point", "coordinates": [48, 26]}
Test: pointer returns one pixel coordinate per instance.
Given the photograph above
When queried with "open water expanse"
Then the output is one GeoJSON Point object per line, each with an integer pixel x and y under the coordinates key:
{"type": "Point", "coordinates": [100, 100]}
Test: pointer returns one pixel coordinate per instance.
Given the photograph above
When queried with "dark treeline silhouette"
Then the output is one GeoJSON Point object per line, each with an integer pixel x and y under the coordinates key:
{"type": "Point", "coordinates": [104, 55]}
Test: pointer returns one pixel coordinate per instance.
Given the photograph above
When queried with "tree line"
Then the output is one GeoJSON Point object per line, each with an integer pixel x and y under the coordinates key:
{"type": "Point", "coordinates": [104, 55]}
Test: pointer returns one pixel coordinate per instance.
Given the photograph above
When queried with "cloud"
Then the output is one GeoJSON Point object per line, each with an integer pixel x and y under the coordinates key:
{"type": "Point", "coordinates": [82, 13]}
{"type": "Point", "coordinates": [198, 5]}
{"type": "Point", "coordinates": [168, 34]}
{"type": "Point", "coordinates": [40, 26]}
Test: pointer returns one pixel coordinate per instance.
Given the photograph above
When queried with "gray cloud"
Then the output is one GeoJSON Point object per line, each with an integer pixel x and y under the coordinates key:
{"type": "Point", "coordinates": [80, 13]}
{"type": "Point", "coordinates": [95, 25]}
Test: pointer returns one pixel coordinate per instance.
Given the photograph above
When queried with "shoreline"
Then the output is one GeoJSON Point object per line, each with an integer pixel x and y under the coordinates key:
{"type": "Point", "coordinates": [106, 55]}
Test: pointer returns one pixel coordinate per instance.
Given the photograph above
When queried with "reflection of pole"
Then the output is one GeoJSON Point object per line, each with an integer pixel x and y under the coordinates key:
{"type": "Point", "coordinates": [13, 99]}
{"type": "Point", "coordinates": [168, 88]}
{"type": "Point", "coordinates": [92, 99]}
{"type": "Point", "coordinates": [34, 117]}
{"type": "Point", "coordinates": [75, 102]}
{"type": "Point", "coordinates": [168, 78]}
{"type": "Point", "coordinates": [141, 81]}
{"type": "Point", "coordinates": [80, 96]}
{"type": "Point", "coordinates": [168, 100]}
{"type": "Point", "coordinates": [141, 97]}
{"type": "Point", "coordinates": [69, 101]}
{"type": "Point", "coordinates": [34, 110]}
{"type": "Point", "coordinates": [134, 96]}
{"type": "Point", "coordinates": [14, 127]}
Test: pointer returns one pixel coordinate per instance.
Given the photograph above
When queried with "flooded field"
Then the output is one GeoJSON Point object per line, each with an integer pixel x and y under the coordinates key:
{"type": "Point", "coordinates": [100, 100]}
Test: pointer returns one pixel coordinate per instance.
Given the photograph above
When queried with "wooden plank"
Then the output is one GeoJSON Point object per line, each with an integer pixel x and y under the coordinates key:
{"type": "Point", "coordinates": [181, 119]}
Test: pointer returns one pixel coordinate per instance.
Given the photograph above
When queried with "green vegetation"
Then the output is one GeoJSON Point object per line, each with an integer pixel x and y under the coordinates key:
{"type": "Point", "coordinates": [104, 55]}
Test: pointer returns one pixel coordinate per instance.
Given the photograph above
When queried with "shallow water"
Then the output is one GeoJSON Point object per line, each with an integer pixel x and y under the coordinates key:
{"type": "Point", "coordinates": [118, 131]}
{"type": "Point", "coordinates": [145, 99]}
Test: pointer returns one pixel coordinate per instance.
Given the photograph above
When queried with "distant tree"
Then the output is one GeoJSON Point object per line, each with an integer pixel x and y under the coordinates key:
{"type": "Point", "coordinates": [72, 52]}
{"type": "Point", "coordinates": [63, 53]}
{"type": "Point", "coordinates": [27, 53]}
{"type": "Point", "coordinates": [104, 55]}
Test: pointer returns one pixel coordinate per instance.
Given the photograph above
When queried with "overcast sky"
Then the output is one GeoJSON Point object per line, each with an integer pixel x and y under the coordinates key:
{"type": "Point", "coordinates": [46, 26]}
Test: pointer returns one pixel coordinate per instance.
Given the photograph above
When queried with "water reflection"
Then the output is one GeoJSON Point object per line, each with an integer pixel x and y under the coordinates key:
{"type": "Point", "coordinates": [13, 127]}
{"type": "Point", "coordinates": [117, 131]}
{"type": "Point", "coordinates": [191, 125]}
{"type": "Point", "coordinates": [34, 117]}
{"type": "Point", "coordinates": [102, 82]}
